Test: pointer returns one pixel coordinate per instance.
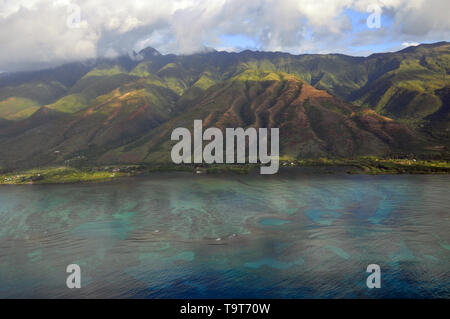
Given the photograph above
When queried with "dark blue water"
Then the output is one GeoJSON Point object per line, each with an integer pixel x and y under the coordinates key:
{"type": "Point", "coordinates": [195, 236]}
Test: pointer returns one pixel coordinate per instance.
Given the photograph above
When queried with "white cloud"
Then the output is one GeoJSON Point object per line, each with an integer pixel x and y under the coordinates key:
{"type": "Point", "coordinates": [34, 33]}
{"type": "Point", "coordinates": [410, 44]}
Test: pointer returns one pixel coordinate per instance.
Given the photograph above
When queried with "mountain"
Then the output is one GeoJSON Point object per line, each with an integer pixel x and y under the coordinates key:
{"type": "Point", "coordinates": [312, 123]}
{"type": "Point", "coordinates": [124, 109]}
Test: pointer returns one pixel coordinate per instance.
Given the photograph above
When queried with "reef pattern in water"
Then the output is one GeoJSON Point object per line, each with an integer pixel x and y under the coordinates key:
{"type": "Point", "coordinates": [176, 235]}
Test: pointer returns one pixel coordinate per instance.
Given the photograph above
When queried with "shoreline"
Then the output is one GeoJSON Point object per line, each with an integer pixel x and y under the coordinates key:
{"type": "Point", "coordinates": [100, 174]}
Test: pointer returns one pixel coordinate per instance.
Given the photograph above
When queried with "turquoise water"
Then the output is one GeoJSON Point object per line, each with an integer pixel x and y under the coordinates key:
{"type": "Point", "coordinates": [176, 235]}
{"type": "Point", "coordinates": [273, 222]}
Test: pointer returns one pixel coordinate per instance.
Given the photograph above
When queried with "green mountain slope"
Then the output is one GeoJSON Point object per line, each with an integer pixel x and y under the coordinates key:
{"type": "Point", "coordinates": [51, 136]}
{"type": "Point", "coordinates": [312, 122]}
{"type": "Point", "coordinates": [407, 84]}
{"type": "Point", "coordinates": [325, 105]}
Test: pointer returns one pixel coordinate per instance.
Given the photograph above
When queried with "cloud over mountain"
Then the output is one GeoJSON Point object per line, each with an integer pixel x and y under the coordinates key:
{"type": "Point", "coordinates": [40, 33]}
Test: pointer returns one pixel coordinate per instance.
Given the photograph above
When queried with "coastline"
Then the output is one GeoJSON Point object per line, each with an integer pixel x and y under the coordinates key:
{"type": "Point", "coordinates": [99, 174]}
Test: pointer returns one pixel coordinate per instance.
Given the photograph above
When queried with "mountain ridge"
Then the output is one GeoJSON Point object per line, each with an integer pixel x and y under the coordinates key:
{"type": "Point", "coordinates": [117, 103]}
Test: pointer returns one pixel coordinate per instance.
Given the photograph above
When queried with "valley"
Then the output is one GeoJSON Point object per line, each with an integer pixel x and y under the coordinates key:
{"type": "Point", "coordinates": [122, 111]}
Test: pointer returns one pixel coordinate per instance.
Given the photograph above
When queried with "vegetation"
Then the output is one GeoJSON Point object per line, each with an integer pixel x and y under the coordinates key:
{"type": "Point", "coordinates": [373, 165]}
{"type": "Point", "coordinates": [58, 175]}
{"type": "Point", "coordinates": [332, 106]}
{"type": "Point", "coordinates": [363, 165]}
{"type": "Point", "coordinates": [16, 108]}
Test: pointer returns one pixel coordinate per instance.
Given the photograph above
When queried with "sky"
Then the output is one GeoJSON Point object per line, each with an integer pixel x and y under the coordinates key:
{"type": "Point", "coordinates": [36, 34]}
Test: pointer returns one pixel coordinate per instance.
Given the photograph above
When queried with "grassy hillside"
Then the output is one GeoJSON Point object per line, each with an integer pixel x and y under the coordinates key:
{"type": "Point", "coordinates": [16, 108]}
{"type": "Point", "coordinates": [408, 84]}
{"type": "Point", "coordinates": [312, 122]}
{"type": "Point", "coordinates": [325, 105]}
